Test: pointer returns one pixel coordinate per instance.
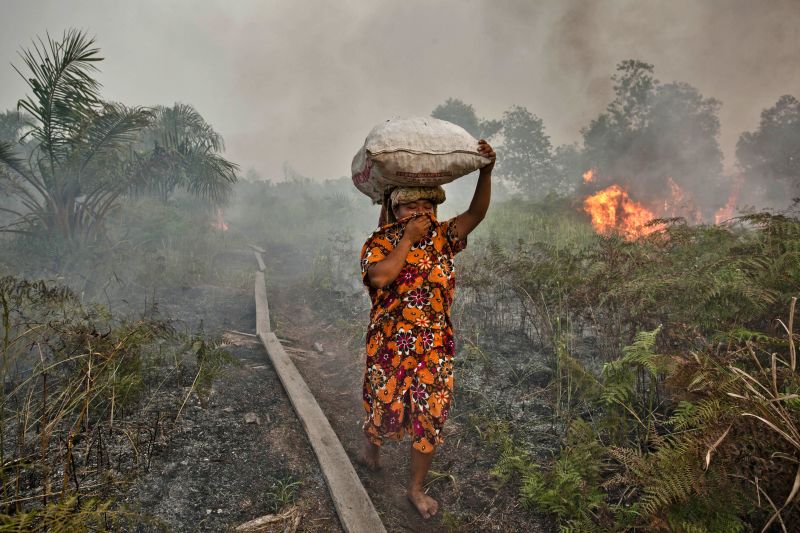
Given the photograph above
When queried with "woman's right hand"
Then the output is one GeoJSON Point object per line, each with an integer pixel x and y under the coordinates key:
{"type": "Point", "coordinates": [416, 228]}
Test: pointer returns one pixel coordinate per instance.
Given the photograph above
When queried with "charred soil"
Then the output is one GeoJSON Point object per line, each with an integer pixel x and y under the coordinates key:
{"type": "Point", "coordinates": [330, 355]}
{"type": "Point", "coordinates": [238, 452]}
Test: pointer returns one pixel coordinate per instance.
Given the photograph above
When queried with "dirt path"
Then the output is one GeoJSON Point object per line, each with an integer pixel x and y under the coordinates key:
{"type": "Point", "coordinates": [217, 470]}
{"type": "Point", "coordinates": [470, 499]}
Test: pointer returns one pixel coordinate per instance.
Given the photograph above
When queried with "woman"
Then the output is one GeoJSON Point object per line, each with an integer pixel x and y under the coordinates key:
{"type": "Point", "coordinates": [407, 265]}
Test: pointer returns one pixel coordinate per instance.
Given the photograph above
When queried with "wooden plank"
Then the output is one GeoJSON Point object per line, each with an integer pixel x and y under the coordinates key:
{"type": "Point", "coordinates": [260, 260]}
{"type": "Point", "coordinates": [257, 248]}
{"type": "Point", "coordinates": [353, 505]}
{"type": "Point", "coordinates": [262, 309]}
{"type": "Point", "coordinates": [355, 509]}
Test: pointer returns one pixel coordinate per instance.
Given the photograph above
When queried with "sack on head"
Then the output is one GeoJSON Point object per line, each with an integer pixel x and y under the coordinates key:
{"type": "Point", "coordinates": [419, 151]}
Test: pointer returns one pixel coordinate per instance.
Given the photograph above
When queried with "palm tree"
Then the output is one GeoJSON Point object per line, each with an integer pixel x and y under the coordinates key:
{"type": "Point", "coordinates": [12, 124]}
{"type": "Point", "coordinates": [182, 151]}
{"type": "Point", "coordinates": [75, 166]}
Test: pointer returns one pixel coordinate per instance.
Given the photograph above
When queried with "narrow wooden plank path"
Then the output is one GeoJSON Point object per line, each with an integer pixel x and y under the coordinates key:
{"type": "Point", "coordinates": [356, 512]}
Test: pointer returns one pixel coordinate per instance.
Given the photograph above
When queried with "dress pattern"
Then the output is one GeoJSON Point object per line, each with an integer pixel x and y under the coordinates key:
{"type": "Point", "coordinates": [408, 382]}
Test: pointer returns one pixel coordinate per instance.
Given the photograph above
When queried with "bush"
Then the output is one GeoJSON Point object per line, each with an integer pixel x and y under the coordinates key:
{"type": "Point", "coordinates": [674, 384]}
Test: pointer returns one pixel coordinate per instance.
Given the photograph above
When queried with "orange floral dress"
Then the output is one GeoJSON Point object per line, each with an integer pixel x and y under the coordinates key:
{"type": "Point", "coordinates": [408, 383]}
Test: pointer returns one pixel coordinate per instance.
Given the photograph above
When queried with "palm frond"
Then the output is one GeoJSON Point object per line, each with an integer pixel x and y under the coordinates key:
{"type": "Point", "coordinates": [210, 176]}
{"type": "Point", "coordinates": [182, 126]}
{"type": "Point", "coordinates": [64, 92]}
{"type": "Point", "coordinates": [9, 158]}
{"type": "Point", "coordinates": [112, 130]}
{"type": "Point", "coordinates": [21, 171]}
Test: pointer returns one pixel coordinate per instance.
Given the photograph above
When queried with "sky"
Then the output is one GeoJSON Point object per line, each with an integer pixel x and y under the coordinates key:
{"type": "Point", "coordinates": [303, 82]}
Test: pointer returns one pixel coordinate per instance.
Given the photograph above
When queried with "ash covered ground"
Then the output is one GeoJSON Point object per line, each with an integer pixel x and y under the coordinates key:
{"type": "Point", "coordinates": [241, 453]}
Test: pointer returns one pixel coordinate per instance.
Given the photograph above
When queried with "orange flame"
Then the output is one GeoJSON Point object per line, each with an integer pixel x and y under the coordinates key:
{"type": "Point", "coordinates": [677, 198]}
{"type": "Point", "coordinates": [680, 204]}
{"type": "Point", "coordinates": [219, 223]}
{"type": "Point", "coordinates": [613, 211]}
{"type": "Point", "coordinates": [588, 176]}
{"type": "Point", "coordinates": [729, 209]}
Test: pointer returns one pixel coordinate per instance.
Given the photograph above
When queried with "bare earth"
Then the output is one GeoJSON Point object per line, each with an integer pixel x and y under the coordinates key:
{"type": "Point", "coordinates": [215, 470]}
{"type": "Point", "coordinates": [469, 498]}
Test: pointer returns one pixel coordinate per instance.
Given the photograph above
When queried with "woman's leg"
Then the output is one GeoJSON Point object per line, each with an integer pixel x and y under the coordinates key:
{"type": "Point", "coordinates": [371, 454]}
{"type": "Point", "coordinates": [420, 464]}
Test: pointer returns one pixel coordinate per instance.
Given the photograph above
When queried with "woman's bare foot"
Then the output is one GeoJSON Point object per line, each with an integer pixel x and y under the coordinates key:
{"type": "Point", "coordinates": [420, 464]}
{"type": "Point", "coordinates": [426, 505]}
{"type": "Point", "coordinates": [371, 455]}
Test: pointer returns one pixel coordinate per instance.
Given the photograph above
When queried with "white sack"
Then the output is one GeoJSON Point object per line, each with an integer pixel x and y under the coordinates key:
{"type": "Point", "coordinates": [418, 151]}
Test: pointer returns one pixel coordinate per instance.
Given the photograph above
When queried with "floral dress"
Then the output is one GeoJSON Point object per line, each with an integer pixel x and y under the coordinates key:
{"type": "Point", "coordinates": [408, 382]}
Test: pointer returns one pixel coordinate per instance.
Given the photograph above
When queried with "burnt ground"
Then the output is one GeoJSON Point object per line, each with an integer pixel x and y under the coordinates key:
{"type": "Point", "coordinates": [470, 497]}
{"type": "Point", "coordinates": [214, 470]}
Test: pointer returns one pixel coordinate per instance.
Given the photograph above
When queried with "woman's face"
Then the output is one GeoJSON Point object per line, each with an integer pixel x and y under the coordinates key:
{"type": "Point", "coordinates": [417, 206]}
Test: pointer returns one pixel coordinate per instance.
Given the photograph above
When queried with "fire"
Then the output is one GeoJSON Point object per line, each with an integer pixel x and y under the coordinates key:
{"type": "Point", "coordinates": [219, 223]}
{"type": "Point", "coordinates": [677, 198]}
{"type": "Point", "coordinates": [612, 210]}
{"type": "Point", "coordinates": [680, 204]}
{"type": "Point", "coordinates": [728, 210]}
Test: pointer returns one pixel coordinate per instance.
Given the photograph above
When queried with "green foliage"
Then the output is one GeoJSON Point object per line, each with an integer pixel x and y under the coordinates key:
{"type": "Point", "coordinates": [75, 171]}
{"type": "Point", "coordinates": [151, 247]}
{"type": "Point", "coordinates": [512, 459]}
{"type": "Point", "coordinates": [570, 489]}
{"type": "Point", "coordinates": [76, 381]}
{"type": "Point", "coordinates": [706, 279]}
{"type": "Point", "coordinates": [181, 150]}
{"type": "Point", "coordinates": [70, 515]}
{"type": "Point", "coordinates": [283, 493]}
{"type": "Point", "coordinates": [681, 414]}
{"type": "Point", "coordinates": [771, 151]}
{"type": "Point", "coordinates": [82, 154]}
{"type": "Point", "coordinates": [629, 447]}
{"type": "Point", "coordinates": [211, 360]}
{"type": "Point", "coordinates": [457, 112]}
{"type": "Point", "coordinates": [527, 153]}
{"type": "Point", "coordinates": [12, 125]}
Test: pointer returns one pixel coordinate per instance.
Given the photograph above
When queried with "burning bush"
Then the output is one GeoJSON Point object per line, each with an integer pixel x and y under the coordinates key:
{"type": "Point", "coordinates": [689, 421]}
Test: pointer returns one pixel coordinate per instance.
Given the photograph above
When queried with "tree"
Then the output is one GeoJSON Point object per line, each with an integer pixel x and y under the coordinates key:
{"type": "Point", "coordinates": [457, 112]}
{"type": "Point", "coordinates": [76, 168]}
{"type": "Point", "coordinates": [569, 166]}
{"type": "Point", "coordinates": [83, 154]}
{"type": "Point", "coordinates": [651, 132]}
{"type": "Point", "coordinates": [634, 87]}
{"type": "Point", "coordinates": [527, 155]}
{"type": "Point", "coordinates": [609, 139]}
{"type": "Point", "coordinates": [771, 154]}
{"type": "Point", "coordinates": [683, 131]}
{"type": "Point", "coordinates": [181, 150]}
{"type": "Point", "coordinates": [12, 125]}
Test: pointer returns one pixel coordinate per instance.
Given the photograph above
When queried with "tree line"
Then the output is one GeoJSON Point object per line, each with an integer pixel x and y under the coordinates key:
{"type": "Point", "coordinates": [648, 132]}
{"type": "Point", "coordinates": [67, 156]}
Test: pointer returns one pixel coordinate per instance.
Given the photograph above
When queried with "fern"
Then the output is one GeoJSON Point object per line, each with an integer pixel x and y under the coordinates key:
{"type": "Point", "coordinates": [676, 315]}
{"type": "Point", "coordinates": [571, 488]}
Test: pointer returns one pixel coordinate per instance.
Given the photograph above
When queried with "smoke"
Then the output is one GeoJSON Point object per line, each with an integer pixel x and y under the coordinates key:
{"type": "Point", "coordinates": [304, 82]}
